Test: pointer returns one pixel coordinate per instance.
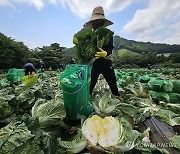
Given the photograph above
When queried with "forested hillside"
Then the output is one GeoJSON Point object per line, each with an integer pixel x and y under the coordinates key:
{"type": "Point", "coordinates": [144, 47]}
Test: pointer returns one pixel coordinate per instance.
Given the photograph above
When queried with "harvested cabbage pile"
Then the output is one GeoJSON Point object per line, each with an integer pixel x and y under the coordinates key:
{"type": "Point", "coordinates": [88, 41]}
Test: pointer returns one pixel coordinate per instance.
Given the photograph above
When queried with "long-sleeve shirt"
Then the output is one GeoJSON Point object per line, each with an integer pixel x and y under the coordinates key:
{"type": "Point", "coordinates": [103, 61]}
{"type": "Point", "coordinates": [108, 48]}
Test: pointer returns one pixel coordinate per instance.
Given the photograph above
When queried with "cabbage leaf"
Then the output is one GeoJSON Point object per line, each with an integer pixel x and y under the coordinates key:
{"type": "Point", "coordinates": [88, 41]}
{"type": "Point", "coordinates": [49, 112]}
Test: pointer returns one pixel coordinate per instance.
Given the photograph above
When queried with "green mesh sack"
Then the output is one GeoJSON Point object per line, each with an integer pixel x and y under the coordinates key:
{"type": "Point", "coordinates": [174, 98]}
{"type": "Point", "coordinates": [154, 75]}
{"type": "Point", "coordinates": [117, 74]}
{"type": "Point", "coordinates": [15, 75]}
{"type": "Point", "coordinates": [123, 76]}
{"type": "Point", "coordinates": [153, 78]}
{"type": "Point", "coordinates": [144, 78]}
{"type": "Point", "coordinates": [130, 73]}
{"type": "Point", "coordinates": [159, 96]}
{"type": "Point", "coordinates": [39, 72]}
{"type": "Point", "coordinates": [168, 86]}
{"type": "Point", "coordinates": [176, 86]}
{"type": "Point", "coordinates": [75, 82]}
{"type": "Point", "coordinates": [135, 75]}
{"type": "Point", "coordinates": [160, 85]}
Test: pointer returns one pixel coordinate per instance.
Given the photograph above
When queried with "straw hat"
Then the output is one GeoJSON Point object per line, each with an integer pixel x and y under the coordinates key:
{"type": "Point", "coordinates": [98, 14]}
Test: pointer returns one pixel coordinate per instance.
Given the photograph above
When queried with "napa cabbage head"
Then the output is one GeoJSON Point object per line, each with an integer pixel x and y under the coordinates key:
{"type": "Point", "coordinates": [87, 42]}
{"type": "Point", "coordinates": [110, 133]}
{"type": "Point", "coordinates": [92, 128]}
{"type": "Point", "coordinates": [49, 112]}
{"type": "Point", "coordinates": [105, 132]}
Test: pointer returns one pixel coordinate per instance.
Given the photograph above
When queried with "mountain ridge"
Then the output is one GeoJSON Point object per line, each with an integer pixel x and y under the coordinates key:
{"type": "Point", "coordinates": [144, 47]}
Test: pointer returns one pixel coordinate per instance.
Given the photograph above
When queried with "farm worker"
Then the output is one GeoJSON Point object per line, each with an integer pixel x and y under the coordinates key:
{"type": "Point", "coordinates": [42, 65]}
{"type": "Point", "coordinates": [30, 77]}
{"type": "Point", "coordinates": [29, 69]}
{"type": "Point", "coordinates": [61, 67]}
{"type": "Point", "coordinates": [71, 60]}
{"type": "Point", "coordinates": [149, 66]}
{"type": "Point", "coordinates": [102, 64]}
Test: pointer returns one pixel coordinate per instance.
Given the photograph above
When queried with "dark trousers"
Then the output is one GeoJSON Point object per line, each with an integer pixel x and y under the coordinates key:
{"type": "Point", "coordinates": [108, 72]}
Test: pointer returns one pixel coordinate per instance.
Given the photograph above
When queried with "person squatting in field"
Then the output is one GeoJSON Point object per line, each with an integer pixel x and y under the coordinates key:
{"type": "Point", "coordinates": [29, 68]}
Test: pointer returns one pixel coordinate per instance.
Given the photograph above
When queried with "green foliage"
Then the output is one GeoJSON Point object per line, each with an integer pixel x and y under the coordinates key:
{"type": "Point", "coordinates": [124, 57]}
{"type": "Point", "coordinates": [46, 132]}
{"type": "Point", "coordinates": [107, 105]}
{"type": "Point", "coordinates": [125, 52]}
{"type": "Point", "coordinates": [13, 54]}
{"type": "Point", "coordinates": [85, 44]}
{"type": "Point", "coordinates": [144, 47]}
{"type": "Point", "coordinates": [51, 55]}
{"type": "Point", "coordinates": [76, 145]}
{"type": "Point", "coordinates": [175, 57]}
{"type": "Point", "coordinates": [150, 53]}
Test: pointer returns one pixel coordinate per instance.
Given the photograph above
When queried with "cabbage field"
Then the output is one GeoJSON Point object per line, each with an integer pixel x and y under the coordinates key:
{"type": "Point", "coordinates": [33, 118]}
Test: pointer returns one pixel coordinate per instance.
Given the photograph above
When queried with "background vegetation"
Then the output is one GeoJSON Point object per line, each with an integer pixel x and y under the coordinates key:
{"type": "Point", "coordinates": [127, 53]}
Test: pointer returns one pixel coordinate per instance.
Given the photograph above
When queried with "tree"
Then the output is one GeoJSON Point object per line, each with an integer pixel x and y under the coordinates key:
{"type": "Point", "coordinates": [13, 54]}
{"type": "Point", "coordinates": [175, 57]}
{"type": "Point", "coordinates": [161, 59]}
{"type": "Point", "coordinates": [151, 58]}
{"type": "Point", "coordinates": [51, 55]}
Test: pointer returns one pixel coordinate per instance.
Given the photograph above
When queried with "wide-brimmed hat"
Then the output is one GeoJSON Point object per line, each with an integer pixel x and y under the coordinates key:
{"type": "Point", "coordinates": [98, 14]}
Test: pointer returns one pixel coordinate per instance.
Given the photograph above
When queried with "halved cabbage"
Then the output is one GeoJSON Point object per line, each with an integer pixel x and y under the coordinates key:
{"type": "Point", "coordinates": [110, 132]}
{"type": "Point", "coordinates": [105, 132]}
{"type": "Point", "coordinates": [91, 129]}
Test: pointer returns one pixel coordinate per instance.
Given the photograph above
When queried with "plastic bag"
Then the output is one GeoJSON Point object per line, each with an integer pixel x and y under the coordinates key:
{"type": "Point", "coordinates": [160, 85]}
{"type": "Point", "coordinates": [144, 79]}
{"type": "Point", "coordinates": [15, 75]}
{"type": "Point", "coordinates": [159, 96]}
{"type": "Point", "coordinates": [174, 98]}
{"type": "Point", "coordinates": [75, 85]}
{"type": "Point", "coordinates": [176, 86]}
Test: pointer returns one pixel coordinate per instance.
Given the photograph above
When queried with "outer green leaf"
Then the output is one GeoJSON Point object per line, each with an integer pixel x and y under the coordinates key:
{"type": "Point", "coordinates": [168, 116]}
{"type": "Point", "coordinates": [175, 140]}
{"type": "Point", "coordinates": [49, 113]}
{"type": "Point", "coordinates": [13, 136]}
{"type": "Point", "coordinates": [76, 145]}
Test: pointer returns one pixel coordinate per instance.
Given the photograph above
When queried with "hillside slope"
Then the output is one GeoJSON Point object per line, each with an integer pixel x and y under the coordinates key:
{"type": "Point", "coordinates": [144, 47]}
{"type": "Point", "coordinates": [125, 52]}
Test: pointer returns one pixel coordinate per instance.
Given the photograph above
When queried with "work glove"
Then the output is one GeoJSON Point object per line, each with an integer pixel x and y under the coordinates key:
{"type": "Point", "coordinates": [102, 53]}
